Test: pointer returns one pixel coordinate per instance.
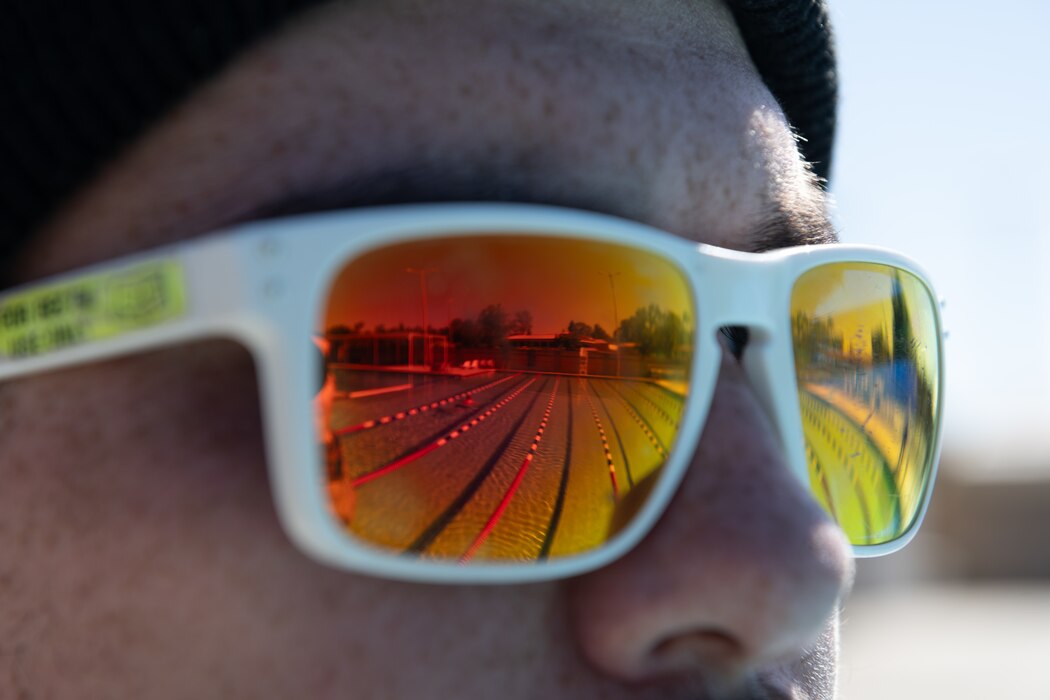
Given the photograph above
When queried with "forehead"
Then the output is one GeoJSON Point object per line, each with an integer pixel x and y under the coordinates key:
{"type": "Point", "coordinates": [649, 110]}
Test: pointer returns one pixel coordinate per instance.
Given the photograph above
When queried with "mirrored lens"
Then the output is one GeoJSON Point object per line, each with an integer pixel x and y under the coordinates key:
{"type": "Point", "coordinates": [500, 397]}
{"type": "Point", "coordinates": [867, 358]}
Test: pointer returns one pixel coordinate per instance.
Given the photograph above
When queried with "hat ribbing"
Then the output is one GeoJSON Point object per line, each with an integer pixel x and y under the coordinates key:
{"type": "Point", "coordinates": [83, 79]}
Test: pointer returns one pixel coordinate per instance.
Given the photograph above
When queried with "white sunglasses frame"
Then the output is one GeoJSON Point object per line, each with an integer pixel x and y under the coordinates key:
{"type": "Point", "coordinates": [264, 284]}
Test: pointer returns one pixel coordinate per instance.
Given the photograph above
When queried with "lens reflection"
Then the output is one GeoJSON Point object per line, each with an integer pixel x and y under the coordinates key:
{"type": "Point", "coordinates": [499, 398]}
{"type": "Point", "coordinates": [866, 356]}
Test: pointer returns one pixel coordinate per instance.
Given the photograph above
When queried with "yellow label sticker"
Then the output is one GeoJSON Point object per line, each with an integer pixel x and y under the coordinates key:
{"type": "Point", "coordinates": [92, 307]}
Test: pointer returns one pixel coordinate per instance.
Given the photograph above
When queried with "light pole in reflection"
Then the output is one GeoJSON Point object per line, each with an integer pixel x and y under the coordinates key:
{"type": "Point", "coordinates": [612, 286]}
{"type": "Point", "coordinates": [428, 359]}
{"type": "Point", "coordinates": [616, 314]}
{"type": "Point", "coordinates": [448, 330]}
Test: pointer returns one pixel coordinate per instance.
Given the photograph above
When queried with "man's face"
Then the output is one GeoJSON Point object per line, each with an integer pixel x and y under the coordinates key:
{"type": "Point", "coordinates": [140, 555]}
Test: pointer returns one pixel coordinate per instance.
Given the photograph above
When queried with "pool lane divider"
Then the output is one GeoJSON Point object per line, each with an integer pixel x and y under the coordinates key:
{"type": "Point", "coordinates": [657, 408]}
{"type": "Point", "coordinates": [423, 408]}
{"type": "Point", "coordinates": [563, 481]}
{"type": "Point", "coordinates": [438, 525]}
{"type": "Point", "coordinates": [605, 446]}
{"type": "Point", "coordinates": [497, 514]}
{"type": "Point", "coordinates": [440, 442]}
{"type": "Point", "coordinates": [647, 429]}
{"type": "Point", "coordinates": [619, 439]}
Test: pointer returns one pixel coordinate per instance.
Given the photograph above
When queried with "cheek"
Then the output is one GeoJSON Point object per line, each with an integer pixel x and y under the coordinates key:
{"type": "Point", "coordinates": [128, 488]}
{"type": "Point", "coordinates": [138, 540]}
{"type": "Point", "coordinates": [121, 444]}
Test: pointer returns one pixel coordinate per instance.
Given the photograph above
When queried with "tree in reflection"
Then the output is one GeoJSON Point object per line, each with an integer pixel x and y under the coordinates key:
{"type": "Point", "coordinates": [655, 331]}
{"type": "Point", "coordinates": [521, 323]}
{"type": "Point", "coordinates": [493, 326]}
{"type": "Point", "coordinates": [816, 341]}
{"type": "Point", "coordinates": [913, 384]}
{"type": "Point", "coordinates": [465, 332]}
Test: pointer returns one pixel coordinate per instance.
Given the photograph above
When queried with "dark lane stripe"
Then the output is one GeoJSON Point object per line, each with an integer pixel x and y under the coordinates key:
{"type": "Point", "coordinates": [504, 503]}
{"type": "Point", "coordinates": [559, 503]}
{"type": "Point", "coordinates": [864, 512]}
{"type": "Point", "coordinates": [887, 472]}
{"type": "Point", "coordinates": [675, 398]}
{"type": "Point", "coordinates": [431, 532]}
{"type": "Point", "coordinates": [644, 424]}
{"type": "Point", "coordinates": [657, 408]}
{"type": "Point", "coordinates": [827, 489]}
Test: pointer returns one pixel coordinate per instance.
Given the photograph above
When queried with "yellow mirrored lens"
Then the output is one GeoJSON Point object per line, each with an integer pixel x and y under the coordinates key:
{"type": "Point", "coordinates": [501, 397]}
{"type": "Point", "coordinates": [867, 358]}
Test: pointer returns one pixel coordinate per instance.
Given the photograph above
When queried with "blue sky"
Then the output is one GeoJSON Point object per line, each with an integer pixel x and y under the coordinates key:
{"type": "Point", "coordinates": [943, 153]}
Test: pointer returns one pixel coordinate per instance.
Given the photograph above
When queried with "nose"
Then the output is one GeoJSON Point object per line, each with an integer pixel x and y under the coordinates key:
{"type": "Point", "coordinates": [744, 568]}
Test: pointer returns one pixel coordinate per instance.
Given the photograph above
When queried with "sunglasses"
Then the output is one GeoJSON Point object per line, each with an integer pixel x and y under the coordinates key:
{"type": "Point", "coordinates": [505, 393]}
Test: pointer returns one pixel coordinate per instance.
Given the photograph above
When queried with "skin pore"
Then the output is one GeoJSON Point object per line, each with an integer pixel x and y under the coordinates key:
{"type": "Point", "coordinates": [141, 555]}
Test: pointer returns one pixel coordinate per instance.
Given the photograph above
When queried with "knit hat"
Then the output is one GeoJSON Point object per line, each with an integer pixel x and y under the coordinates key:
{"type": "Point", "coordinates": [81, 80]}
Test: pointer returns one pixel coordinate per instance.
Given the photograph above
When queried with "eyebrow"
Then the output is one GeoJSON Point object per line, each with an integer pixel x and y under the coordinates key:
{"type": "Point", "coordinates": [426, 183]}
{"type": "Point", "coordinates": [780, 228]}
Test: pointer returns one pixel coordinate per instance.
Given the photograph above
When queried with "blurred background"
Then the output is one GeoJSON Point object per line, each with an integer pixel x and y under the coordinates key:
{"type": "Point", "coordinates": [944, 154]}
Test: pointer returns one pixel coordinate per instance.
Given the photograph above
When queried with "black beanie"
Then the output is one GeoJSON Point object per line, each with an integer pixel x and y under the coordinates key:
{"type": "Point", "coordinates": [83, 79]}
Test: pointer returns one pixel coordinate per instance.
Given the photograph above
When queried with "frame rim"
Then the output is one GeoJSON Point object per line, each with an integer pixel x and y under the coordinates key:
{"type": "Point", "coordinates": [252, 283]}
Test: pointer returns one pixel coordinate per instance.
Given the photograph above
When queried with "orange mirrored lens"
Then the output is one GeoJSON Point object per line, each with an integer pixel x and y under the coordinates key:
{"type": "Point", "coordinates": [501, 397]}
{"type": "Point", "coordinates": [867, 358]}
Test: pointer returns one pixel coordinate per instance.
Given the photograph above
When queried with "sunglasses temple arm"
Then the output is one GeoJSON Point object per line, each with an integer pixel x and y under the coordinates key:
{"type": "Point", "coordinates": [188, 292]}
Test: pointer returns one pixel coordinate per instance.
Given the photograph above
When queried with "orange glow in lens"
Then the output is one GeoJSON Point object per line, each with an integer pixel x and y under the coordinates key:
{"type": "Point", "coordinates": [867, 359]}
{"type": "Point", "coordinates": [500, 397]}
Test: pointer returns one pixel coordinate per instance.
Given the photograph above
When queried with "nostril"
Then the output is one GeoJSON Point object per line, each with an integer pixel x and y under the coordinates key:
{"type": "Point", "coordinates": [735, 339]}
{"type": "Point", "coordinates": [710, 651]}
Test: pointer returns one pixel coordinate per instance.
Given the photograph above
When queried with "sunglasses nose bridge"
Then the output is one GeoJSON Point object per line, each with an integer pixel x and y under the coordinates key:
{"type": "Point", "coordinates": [750, 290]}
{"type": "Point", "coordinates": [737, 289]}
